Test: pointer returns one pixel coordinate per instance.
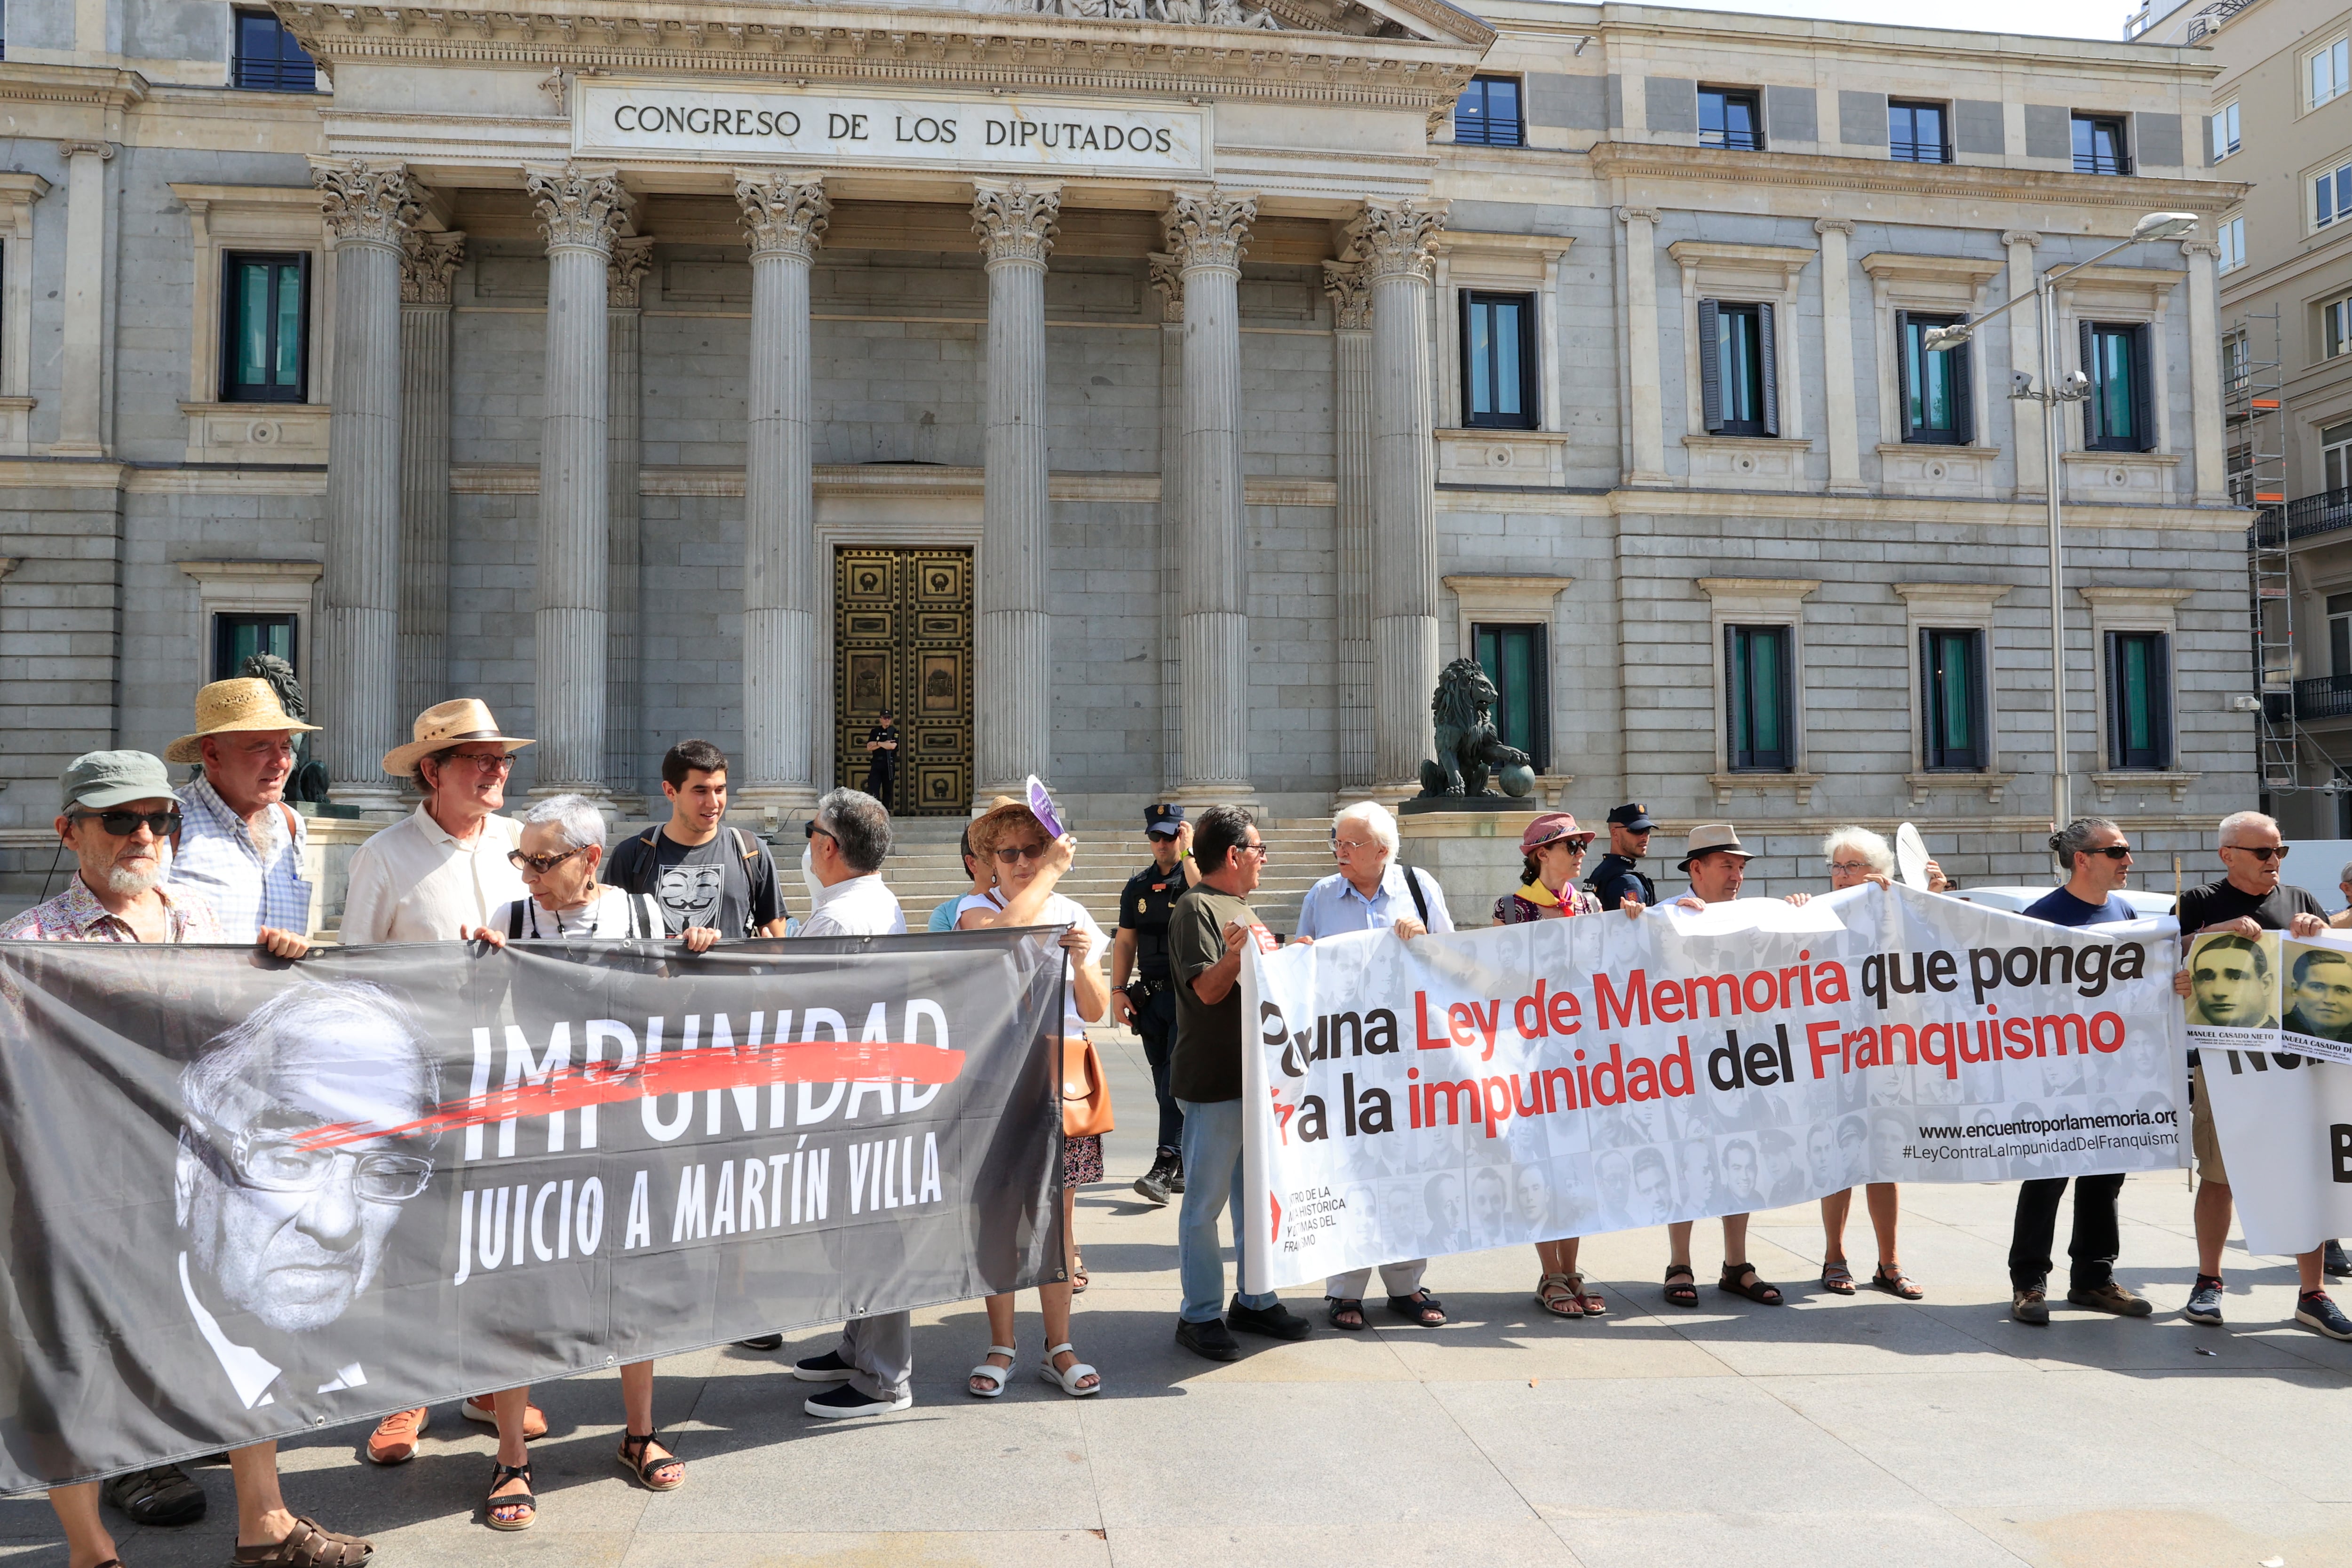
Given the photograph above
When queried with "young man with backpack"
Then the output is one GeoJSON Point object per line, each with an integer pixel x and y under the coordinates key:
{"type": "Point", "coordinates": [703, 875]}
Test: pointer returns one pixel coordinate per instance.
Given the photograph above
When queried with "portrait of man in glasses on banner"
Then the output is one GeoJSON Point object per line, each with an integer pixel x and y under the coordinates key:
{"type": "Point", "coordinates": [280, 1235]}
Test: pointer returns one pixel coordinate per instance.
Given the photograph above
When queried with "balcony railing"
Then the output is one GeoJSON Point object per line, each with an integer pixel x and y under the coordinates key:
{"type": "Point", "coordinates": [1919, 151]}
{"type": "Point", "coordinates": [2323, 513]}
{"type": "Point", "coordinates": [2103, 163]}
{"type": "Point", "coordinates": [2324, 696]}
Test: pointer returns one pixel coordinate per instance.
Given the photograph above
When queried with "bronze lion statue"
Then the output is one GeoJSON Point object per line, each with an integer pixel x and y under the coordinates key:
{"type": "Point", "coordinates": [1467, 745]}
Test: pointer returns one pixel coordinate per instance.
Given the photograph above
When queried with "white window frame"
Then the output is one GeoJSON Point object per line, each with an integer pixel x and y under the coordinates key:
{"type": "Point", "coordinates": [2327, 168]}
{"type": "Point", "coordinates": [254, 588]}
{"type": "Point", "coordinates": [2335, 328]}
{"type": "Point", "coordinates": [225, 219]}
{"type": "Point", "coordinates": [2230, 236]}
{"type": "Point", "coordinates": [2225, 130]}
{"type": "Point", "coordinates": [1953, 606]}
{"type": "Point", "coordinates": [2137, 610]}
{"type": "Point", "coordinates": [1758, 602]}
{"type": "Point", "coordinates": [2336, 54]}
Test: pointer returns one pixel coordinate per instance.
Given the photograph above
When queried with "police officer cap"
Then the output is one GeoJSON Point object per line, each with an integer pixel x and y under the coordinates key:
{"type": "Point", "coordinates": [1633, 818]}
{"type": "Point", "coordinates": [1164, 819]}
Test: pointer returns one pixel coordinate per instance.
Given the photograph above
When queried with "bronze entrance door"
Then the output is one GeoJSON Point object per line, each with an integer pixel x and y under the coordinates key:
{"type": "Point", "coordinates": [902, 641]}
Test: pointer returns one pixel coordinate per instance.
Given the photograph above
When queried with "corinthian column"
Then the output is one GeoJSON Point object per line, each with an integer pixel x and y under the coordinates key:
{"type": "Point", "coordinates": [1169, 284]}
{"type": "Point", "coordinates": [1352, 431]}
{"type": "Point", "coordinates": [367, 211]}
{"type": "Point", "coordinates": [784, 217]}
{"type": "Point", "coordinates": [1393, 241]}
{"type": "Point", "coordinates": [1015, 223]}
{"type": "Point", "coordinates": [428, 260]}
{"type": "Point", "coordinates": [1206, 234]}
{"type": "Point", "coordinates": [625, 762]}
{"type": "Point", "coordinates": [581, 212]}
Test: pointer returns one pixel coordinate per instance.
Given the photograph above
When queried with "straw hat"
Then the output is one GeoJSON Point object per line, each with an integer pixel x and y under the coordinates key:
{"type": "Point", "coordinates": [456, 723]}
{"type": "Point", "coordinates": [226, 707]}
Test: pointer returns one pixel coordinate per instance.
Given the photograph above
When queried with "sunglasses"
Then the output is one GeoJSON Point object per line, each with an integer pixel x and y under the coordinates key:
{"type": "Point", "coordinates": [2265, 854]}
{"type": "Point", "coordinates": [123, 823]}
{"type": "Point", "coordinates": [809, 829]}
{"type": "Point", "coordinates": [542, 864]}
{"type": "Point", "coordinates": [1012, 854]}
{"type": "Point", "coordinates": [2117, 852]}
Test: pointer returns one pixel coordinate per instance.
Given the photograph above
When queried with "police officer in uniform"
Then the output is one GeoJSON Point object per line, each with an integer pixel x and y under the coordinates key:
{"type": "Point", "coordinates": [1618, 877]}
{"type": "Point", "coordinates": [1142, 992]}
{"type": "Point", "coordinates": [882, 760]}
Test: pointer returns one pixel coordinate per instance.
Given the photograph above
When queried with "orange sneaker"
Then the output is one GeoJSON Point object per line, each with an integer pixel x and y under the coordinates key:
{"type": "Point", "coordinates": [479, 1408]}
{"type": "Point", "coordinates": [393, 1441]}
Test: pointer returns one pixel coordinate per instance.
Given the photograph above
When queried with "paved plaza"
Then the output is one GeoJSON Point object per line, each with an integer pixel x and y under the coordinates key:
{"type": "Point", "coordinates": [1860, 1430]}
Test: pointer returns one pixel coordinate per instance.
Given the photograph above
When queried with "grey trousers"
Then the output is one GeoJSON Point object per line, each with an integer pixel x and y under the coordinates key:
{"type": "Point", "coordinates": [1400, 1279]}
{"type": "Point", "coordinates": [880, 1351]}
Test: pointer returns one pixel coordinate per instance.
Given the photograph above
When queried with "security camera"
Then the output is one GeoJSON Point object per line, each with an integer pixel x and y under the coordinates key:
{"type": "Point", "coordinates": [2021, 385]}
{"type": "Point", "coordinates": [2076, 388]}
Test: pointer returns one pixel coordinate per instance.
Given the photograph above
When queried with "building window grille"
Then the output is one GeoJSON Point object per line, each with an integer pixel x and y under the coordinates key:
{"type": "Point", "coordinates": [268, 57]}
{"type": "Point", "coordinates": [1916, 133]}
{"type": "Point", "coordinates": [1730, 118]}
{"type": "Point", "coordinates": [2099, 145]}
{"type": "Point", "coordinates": [1487, 112]}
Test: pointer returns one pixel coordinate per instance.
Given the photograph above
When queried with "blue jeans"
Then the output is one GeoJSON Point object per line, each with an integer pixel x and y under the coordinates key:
{"type": "Point", "coordinates": [1212, 1147]}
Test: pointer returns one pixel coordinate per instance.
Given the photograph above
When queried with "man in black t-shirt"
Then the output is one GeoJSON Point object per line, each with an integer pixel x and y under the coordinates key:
{"type": "Point", "coordinates": [704, 876]}
{"type": "Point", "coordinates": [2247, 902]}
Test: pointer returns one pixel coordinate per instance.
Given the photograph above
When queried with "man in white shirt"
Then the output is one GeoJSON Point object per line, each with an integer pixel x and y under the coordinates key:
{"type": "Point", "coordinates": [437, 876]}
{"type": "Point", "coordinates": [1369, 892]}
{"type": "Point", "coordinates": [441, 872]}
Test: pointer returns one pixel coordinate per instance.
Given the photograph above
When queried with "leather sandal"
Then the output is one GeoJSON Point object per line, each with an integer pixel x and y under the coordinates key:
{"type": "Point", "coordinates": [306, 1545]}
{"type": "Point", "coordinates": [1594, 1307]}
{"type": "Point", "coordinates": [1742, 1280]}
{"type": "Point", "coordinates": [997, 1376]}
{"type": "Point", "coordinates": [1557, 1294]}
{"type": "Point", "coordinates": [160, 1495]}
{"type": "Point", "coordinates": [1072, 1382]}
{"type": "Point", "coordinates": [1339, 1304]}
{"type": "Point", "coordinates": [1895, 1283]}
{"type": "Point", "coordinates": [1837, 1279]}
{"type": "Point", "coordinates": [637, 1456]}
{"type": "Point", "coordinates": [1421, 1307]}
{"type": "Point", "coordinates": [1684, 1294]}
{"type": "Point", "coordinates": [499, 1476]}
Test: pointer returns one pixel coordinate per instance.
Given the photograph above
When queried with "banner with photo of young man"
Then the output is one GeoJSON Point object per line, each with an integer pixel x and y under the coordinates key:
{"type": "Point", "coordinates": [2282, 1094]}
{"type": "Point", "coordinates": [247, 1198]}
{"type": "Point", "coordinates": [1573, 1076]}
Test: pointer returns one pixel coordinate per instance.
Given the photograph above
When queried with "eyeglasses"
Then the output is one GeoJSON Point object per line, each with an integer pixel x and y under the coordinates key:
{"type": "Point", "coordinates": [276, 1161]}
{"type": "Point", "coordinates": [2121, 851]}
{"type": "Point", "coordinates": [1849, 867]}
{"type": "Point", "coordinates": [123, 823]}
{"type": "Point", "coordinates": [2265, 853]}
{"type": "Point", "coordinates": [484, 761]}
{"type": "Point", "coordinates": [1014, 853]}
{"type": "Point", "coordinates": [542, 864]}
{"type": "Point", "coordinates": [1258, 848]}
{"type": "Point", "coordinates": [1355, 843]}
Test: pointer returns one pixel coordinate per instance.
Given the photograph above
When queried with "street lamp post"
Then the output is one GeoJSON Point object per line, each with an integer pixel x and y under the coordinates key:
{"type": "Point", "coordinates": [2050, 393]}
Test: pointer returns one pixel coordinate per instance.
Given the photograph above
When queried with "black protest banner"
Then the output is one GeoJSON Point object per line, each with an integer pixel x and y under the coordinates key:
{"type": "Point", "coordinates": [248, 1199]}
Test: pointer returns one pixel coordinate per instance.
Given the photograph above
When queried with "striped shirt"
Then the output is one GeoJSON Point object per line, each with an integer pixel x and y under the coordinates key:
{"type": "Point", "coordinates": [251, 877]}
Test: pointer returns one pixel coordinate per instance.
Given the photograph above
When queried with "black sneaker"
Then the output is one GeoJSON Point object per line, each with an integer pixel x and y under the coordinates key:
{"type": "Point", "coordinates": [1210, 1339]}
{"type": "Point", "coordinates": [2332, 1261]}
{"type": "Point", "coordinates": [2204, 1301]}
{"type": "Point", "coordinates": [839, 1403]}
{"type": "Point", "coordinates": [2313, 1309]}
{"type": "Point", "coordinates": [1275, 1322]}
{"type": "Point", "coordinates": [826, 1368]}
{"type": "Point", "coordinates": [762, 1343]}
{"type": "Point", "coordinates": [1176, 1176]}
{"type": "Point", "coordinates": [1153, 1184]}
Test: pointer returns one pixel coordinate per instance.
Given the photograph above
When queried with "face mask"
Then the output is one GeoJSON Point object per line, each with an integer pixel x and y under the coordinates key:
{"type": "Point", "coordinates": [808, 873]}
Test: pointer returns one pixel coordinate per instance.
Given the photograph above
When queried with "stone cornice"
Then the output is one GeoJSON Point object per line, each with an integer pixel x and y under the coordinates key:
{"type": "Point", "coordinates": [1643, 161]}
{"type": "Point", "coordinates": [100, 85]}
{"type": "Point", "coordinates": [1028, 52]}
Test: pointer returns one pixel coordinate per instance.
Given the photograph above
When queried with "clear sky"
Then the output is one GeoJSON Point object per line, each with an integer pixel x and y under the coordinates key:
{"type": "Point", "coordinates": [2045, 18]}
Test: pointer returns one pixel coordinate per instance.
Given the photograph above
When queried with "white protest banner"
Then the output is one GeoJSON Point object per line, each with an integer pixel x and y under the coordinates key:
{"type": "Point", "coordinates": [2282, 1091]}
{"type": "Point", "coordinates": [1573, 1076]}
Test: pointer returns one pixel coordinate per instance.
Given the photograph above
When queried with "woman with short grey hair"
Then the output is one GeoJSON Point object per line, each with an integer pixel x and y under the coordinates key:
{"type": "Point", "coordinates": [1856, 856]}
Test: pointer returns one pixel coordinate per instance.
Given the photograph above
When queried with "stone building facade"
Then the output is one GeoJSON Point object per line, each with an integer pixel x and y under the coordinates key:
{"type": "Point", "coordinates": [1151, 394]}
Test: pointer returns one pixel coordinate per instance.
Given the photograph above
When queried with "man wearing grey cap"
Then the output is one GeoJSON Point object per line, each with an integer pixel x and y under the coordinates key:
{"type": "Point", "coordinates": [119, 817]}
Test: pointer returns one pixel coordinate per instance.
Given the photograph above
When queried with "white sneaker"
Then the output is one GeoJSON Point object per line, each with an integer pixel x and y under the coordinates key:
{"type": "Point", "coordinates": [838, 1403]}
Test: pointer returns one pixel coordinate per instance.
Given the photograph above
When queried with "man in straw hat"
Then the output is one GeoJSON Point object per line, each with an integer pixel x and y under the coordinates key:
{"type": "Point", "coordinates": [438, 874]}
{"type": "Point", "coordinates": [242, 845]}
{"type": "Point", "coordinates": [434, 876]}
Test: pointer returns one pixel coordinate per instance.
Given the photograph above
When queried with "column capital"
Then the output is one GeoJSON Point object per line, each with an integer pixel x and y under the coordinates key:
{"type": "Point", "coordinates": [1016, 221]}
{"type": "Point", "coordinates": [369, 203]}
{"type": "Point", "coordinates": [1210, 228]}
{"type": "Point", "coordinates": [783, 214]}
{"type": "Point", "coordinates": [1351, 296]}
{"type": "Point", "coordinates": [99, 150]}
{"type": "Point", "coordinates": [2014, 236]}
{"type": "Point", "coordinates": [2200, 247]}
{"type": "Point", "coordinates": [428, 261]}
{"type": "Point", "coordinates": [1392, 238]}
{"type": "Point", "coordinates": [579, 208]}
{"type": "Point", "coordinates": [624, 269]}
{"type": "Point", "coordinates": [1168, 277]}
{"type": "Point", "coordinates": [1844, 226]}
{"type": "Point", "coordinates": [1638, 215]}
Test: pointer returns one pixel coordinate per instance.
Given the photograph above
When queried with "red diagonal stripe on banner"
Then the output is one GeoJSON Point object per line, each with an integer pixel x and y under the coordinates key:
{"type": "Point", "coordinates": [670, 1072]}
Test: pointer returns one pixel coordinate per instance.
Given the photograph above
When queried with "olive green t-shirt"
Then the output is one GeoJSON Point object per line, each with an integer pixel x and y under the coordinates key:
{"type": "Point", "coordinates": [1207, 1065]}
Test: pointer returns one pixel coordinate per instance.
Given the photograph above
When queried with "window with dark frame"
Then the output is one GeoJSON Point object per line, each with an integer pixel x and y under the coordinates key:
{"type": "Point", "coordinates": [1731, 118]}
{"type": "Point", "coordinates": [268, 60]}
{"type": "Point", "coordinates": [2099, 145]}
{"type": "Point", "coordinates": [1498, 361]}
{"type": "Point", "coordinates": [1918, 133]}
{"type": "Point", "coordinates": [1517, 659]}
{"type": "Point", "coordinates": [1760, 691]}
{"type": "Point", "coordinates": [1952, 677]}
{"type": "Point", "coordinates": [1938, 402]}
{"type": "Point", "coordinates": [265, 347]}
{"type": "Point", "coordinates": [238, 637]}
{"type": "Point", "coordinates": [2339, 634]}
{"type": "Point", "coordinates": [2139, 700]}
{"type": "Point", "coordinates": [1738, 376]}
{"type": "Point", "coordinates": [1487, 112]}
{"type": "Point", "coordinates": [2120, 414]}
